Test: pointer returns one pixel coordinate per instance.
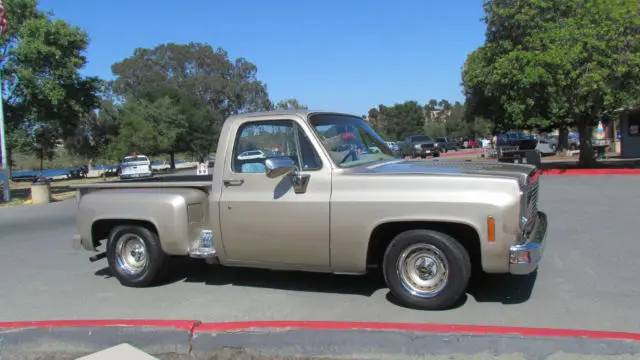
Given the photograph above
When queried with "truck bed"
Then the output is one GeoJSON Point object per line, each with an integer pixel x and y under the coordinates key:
{"type": "Point", "coordinates": [172, 181]}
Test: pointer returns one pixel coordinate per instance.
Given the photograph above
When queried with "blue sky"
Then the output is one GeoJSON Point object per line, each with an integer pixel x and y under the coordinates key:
{"type": "Point", "coordinates": [343, 56]}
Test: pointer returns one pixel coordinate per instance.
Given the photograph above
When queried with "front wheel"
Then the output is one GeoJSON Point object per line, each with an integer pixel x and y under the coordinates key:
{"type": "Point", "coordinates": [426, 269]}
{"type": "Point", "coordinates": [135, 256]}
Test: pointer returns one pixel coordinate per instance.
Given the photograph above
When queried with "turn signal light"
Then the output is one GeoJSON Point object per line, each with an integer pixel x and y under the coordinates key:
{"type": "Point", "coordinates": [491, 229]}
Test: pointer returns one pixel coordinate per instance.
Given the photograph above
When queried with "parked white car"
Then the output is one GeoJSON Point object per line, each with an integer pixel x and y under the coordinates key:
{"type": "Point", "coordinates": [252, 154]}
{"type": "Point", "coordinates": [135, 166]}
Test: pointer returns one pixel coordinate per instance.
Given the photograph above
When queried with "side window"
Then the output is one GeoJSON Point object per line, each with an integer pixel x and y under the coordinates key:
{"type": "Point", "coordinates": [260, 140]}
{"type": "Point", "coordinates": [257, 141]}
{"type": "Point", "coordinates": [310, 158]}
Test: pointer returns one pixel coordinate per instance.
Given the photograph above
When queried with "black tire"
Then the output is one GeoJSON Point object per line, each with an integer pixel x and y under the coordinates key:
{"type": "Point", "coordinates": [151, 271]}
{"type": "Point", "coordinates": [456, 261]}
{"type": "Point", "coordinates": [435, 155]}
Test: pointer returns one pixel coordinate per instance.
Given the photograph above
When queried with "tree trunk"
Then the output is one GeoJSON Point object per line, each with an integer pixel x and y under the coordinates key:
{"type": "Point", "coordinates": [586, 148]}
{"type": "Point", "coordinates": [172, 157]}
{"type": "Point", "coordinates": [563, 138]}
{"type": "Point", "coordinates": [41, 160]}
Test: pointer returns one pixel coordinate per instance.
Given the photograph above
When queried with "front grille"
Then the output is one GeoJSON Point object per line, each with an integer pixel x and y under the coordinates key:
{"type": "Point", "coordinates": [427, 146]}
{"type": "Point", "coordinates": [531, 205]}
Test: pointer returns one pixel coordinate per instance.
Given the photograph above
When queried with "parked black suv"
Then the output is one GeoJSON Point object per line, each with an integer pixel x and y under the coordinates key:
{"type": "Point", "coordinates": [446, 143]}
{"type": "Point", "coordinates": [419, 146]}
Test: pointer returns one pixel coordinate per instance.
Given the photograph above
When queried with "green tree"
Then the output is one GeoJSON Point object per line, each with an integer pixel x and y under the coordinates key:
{"type": "Point", "coordinates": [403, 119]}
{"type": "Point", "coordinates": [289, 104]}
{"type": "Point", "coordinates": [204, 85]}
{"type": "Point", "coordinates": [42, 143]}
{"type": "Point", "coordinates": [553, 63]}
{"type": "Point", "coordinates": [145, 127]}
{"type": "Point", "coordinates": [435, 129]}
{"type": "Point", "coordinates": [42, 87]}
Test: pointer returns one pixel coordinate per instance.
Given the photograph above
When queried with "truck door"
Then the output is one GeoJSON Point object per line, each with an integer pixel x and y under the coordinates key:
{"type": "Point", "coordinates": [263, 220]}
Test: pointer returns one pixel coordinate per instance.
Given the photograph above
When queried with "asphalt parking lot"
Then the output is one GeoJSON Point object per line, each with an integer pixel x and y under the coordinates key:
{"type": "Point", "coordinates": [586, 280]}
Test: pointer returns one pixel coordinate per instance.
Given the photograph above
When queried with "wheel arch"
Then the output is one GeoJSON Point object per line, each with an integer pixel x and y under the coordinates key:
{"type": "Point", "coordinates": [383, 234]}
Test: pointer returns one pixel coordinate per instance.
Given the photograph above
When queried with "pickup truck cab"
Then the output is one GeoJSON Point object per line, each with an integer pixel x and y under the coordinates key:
{"type": "Point", "coordinates": [323, 203]}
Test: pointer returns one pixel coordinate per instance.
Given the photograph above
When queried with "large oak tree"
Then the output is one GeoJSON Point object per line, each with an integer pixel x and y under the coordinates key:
{"type": "Point", "coordinates": [200, 84]}
{"type": "Point", "coordinates": [554, 63]}
{"type": "Point", "coordinates": [44, 95]}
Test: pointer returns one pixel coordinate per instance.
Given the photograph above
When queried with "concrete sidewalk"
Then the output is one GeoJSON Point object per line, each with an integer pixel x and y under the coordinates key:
{"type": "Point", "coordinates": [181, 340]}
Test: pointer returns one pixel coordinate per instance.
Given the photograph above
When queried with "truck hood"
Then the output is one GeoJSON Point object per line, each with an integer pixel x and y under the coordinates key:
{"type": "Point", "coordinates": [431, 167]}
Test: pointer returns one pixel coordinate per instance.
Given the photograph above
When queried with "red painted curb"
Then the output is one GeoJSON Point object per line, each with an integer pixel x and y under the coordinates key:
{"type": "Point", "coordinates": [187, 325]}
{"type": "Point", "coordinates": [194, 326]}
{"type": "Point", "coordinates": [432, 328]}
{"type": "Point", "coordinates": [591, 172]}
{"type": "Point", "coordinates": [461, 153]}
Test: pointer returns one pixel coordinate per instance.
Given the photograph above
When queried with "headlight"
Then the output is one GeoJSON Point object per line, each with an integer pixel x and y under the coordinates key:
{"type": "Point", "coordinates": [417, 146]}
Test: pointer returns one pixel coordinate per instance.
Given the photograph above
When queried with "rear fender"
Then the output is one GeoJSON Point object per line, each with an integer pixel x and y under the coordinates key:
{"type": "Point", "coordinates": [177, 214]}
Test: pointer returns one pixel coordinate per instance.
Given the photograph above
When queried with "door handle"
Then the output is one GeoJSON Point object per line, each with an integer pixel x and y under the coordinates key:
{"type": "Point", "coordinates": [233, 182]}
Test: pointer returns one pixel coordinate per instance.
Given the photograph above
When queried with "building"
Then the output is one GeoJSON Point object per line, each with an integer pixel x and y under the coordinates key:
{"type": "Point", "coordinates": [630, 133]}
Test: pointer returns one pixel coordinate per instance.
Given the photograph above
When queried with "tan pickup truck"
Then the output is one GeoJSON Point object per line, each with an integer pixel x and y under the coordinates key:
{"type": "Point", "coordinates": [322, 192]}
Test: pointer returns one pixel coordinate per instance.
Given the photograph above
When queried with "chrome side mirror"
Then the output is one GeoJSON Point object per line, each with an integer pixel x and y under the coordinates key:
{"type": "Point", "coordinates": [276, 167]}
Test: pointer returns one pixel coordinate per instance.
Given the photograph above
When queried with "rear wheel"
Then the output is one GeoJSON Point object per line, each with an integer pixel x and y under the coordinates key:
{"type": "Point", "coordinates": [426, 269]}
{"type": "Point", "coordinates": [135, 256]}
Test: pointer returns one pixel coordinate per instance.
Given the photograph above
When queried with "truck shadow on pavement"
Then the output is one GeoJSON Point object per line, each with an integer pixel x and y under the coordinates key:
{"type": "Point", "coordinates": [483, 288]}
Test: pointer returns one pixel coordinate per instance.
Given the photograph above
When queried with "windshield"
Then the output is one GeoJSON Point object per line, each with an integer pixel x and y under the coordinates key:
{"type": "Point", "coordinates": [421, 138]}
{"type": "Point", "coordinates": [134, 159]}
{"type": "Point", "coordinates": [349, 140]}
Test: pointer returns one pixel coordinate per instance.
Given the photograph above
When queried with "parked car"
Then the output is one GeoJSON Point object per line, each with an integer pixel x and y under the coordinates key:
{"type": "Point", "coordinates": [427, 225]}
{"type": "Point", "coordinates": [518, 138]}
{"type": "Point", "coordinates": [573, 141]}
{"type": "Point", "coordinates": [135, 166]}
{"type": "Point", "coordinates": [547, 144]}
{"type": "Point", "coordinates": [446, 143]}
{"type": "Point", "coordinates": [393, 146]}
{"type": "Point", "coordinates": [251, 155]}
{"type": "Point", "coordinates": [419, 146]}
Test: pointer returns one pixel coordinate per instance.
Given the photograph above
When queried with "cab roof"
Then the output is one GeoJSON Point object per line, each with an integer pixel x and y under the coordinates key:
{"type": "Point", "coordinates": [304, 113]}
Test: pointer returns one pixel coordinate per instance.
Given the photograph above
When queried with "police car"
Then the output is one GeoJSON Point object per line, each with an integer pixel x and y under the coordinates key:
{"type": "Point", "coordinates": [135, 166]}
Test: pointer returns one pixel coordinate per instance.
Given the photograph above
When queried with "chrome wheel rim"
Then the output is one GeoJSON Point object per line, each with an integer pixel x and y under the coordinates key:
{"type": "Point", "coordinates": [131, 254]}
{"type": "Point", "coordinates": [423, 270]}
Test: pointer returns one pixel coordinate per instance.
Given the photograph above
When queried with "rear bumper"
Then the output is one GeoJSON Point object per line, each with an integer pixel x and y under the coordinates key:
{"type": "Point", "coordinates": [135, 176]}
{"type": "Point", "coordinates": [524, 258]}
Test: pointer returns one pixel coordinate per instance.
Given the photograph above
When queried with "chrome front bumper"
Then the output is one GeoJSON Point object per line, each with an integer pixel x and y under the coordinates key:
{"type": "Point", "coordinates": [524, 258]}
